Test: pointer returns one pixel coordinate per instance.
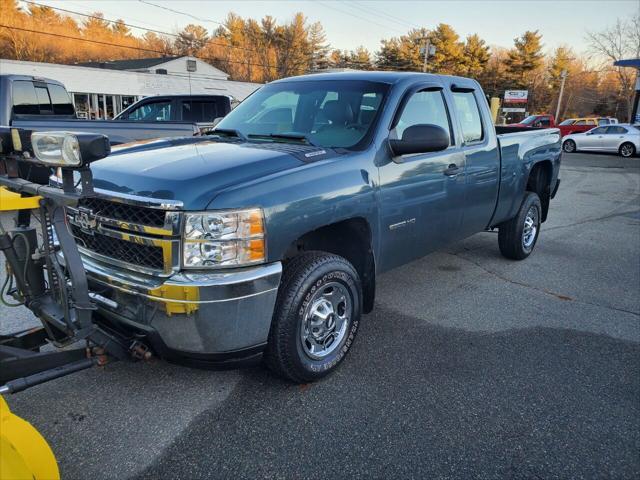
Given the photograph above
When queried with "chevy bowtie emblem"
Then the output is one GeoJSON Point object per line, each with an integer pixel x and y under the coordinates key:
{"type": "Point", "coordinates": [86, 220]}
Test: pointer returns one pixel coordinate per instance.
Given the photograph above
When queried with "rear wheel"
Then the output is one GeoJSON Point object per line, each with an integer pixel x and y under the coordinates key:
{"type": "Point", "coordinates": [316, 317]}
{"type": "Point", "coordinates": [569, 146]}
{"type": "Point", "coordinates": [627, 150]}
{"type": "Point", "coordinates": [518, 236]}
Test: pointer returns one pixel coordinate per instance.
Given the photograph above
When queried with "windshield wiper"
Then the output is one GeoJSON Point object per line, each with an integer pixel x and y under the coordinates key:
{"type": "Point", "coordinates": [284, 136]}
{"type": "Point", "coordinates": [229, 132]}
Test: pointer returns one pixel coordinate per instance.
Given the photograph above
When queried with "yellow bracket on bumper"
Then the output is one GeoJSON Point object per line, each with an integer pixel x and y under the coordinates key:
{"type": "Point", "coordinates": [186, 298]}
{"type": "Point", "coordinates": [14, 201]}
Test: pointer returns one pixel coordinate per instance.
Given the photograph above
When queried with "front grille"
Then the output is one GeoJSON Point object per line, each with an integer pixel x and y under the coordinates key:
{"type": "Point", "coordinates": [148, 256]}
{"type": "Point", "coordinates": [124, 212]}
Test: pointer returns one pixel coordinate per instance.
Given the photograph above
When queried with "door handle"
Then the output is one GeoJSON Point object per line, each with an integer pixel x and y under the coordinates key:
{"type": "Point", "coordinates": [452, 170]}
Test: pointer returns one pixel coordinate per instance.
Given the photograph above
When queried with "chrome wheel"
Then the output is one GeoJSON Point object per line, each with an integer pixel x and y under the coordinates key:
{"type": "Point", "coordinates": [325, 320]}
{"type": "Point", "coordinates": [531, 224]}
{"type": "Point", "coordinates": [626, 150]}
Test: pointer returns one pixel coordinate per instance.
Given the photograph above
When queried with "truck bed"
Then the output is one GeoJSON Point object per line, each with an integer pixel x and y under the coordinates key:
{"type": "Point", "coordinates": [518, 151]}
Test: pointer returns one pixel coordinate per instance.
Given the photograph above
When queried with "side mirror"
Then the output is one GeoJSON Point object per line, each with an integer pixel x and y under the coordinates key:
{"type": "Point", "coordinates": [422, 138]}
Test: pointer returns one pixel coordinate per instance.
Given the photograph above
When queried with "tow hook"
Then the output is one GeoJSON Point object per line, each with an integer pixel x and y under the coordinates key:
{"type": "Point", "coordinates": [140, 351]}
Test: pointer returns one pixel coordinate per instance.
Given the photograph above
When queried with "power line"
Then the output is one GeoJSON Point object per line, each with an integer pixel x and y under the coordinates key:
{"type": "Point", "coordinates": [355, 16]}
{"type": "Point", "coordinates": [183, 13]}
{"type": "Point", "coordinates": [69, 37]}
{"type": "Point", "coordinates": [397, 20]}
{"type": "Point", "coordinates": [116, 22]}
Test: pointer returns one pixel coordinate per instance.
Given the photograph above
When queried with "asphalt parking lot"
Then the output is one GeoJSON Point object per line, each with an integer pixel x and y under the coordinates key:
{"type": "Point", "coordinates": [470, 366]}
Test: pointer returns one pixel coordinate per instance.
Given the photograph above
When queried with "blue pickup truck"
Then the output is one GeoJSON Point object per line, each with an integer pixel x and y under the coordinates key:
{"type": "Point", "coordinates": [264, 238]}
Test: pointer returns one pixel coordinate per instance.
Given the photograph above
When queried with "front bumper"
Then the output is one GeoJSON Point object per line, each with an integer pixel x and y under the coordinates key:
{"type": "Point", "coordinates": [207, 319]}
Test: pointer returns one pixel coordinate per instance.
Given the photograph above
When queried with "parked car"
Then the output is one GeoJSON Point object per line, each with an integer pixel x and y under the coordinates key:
{"type": "Point", "coordinates": [36, 103]}
{"type": "Point", "coordinates": [536, 121]}
{"type": "Point", "coordinates": [622, 138]}
{"type": "Point", "coordinates": [567, 127]}
{"type": "Point", "coordinates": [265, 238]}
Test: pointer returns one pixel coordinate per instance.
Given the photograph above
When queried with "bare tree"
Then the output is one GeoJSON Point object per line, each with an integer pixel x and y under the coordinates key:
{"type": "Point", "coordinates": [620, 41]}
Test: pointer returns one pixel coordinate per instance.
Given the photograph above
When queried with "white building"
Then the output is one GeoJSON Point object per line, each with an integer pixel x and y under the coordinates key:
{"type": "Point", "coordinates": [104, 89]}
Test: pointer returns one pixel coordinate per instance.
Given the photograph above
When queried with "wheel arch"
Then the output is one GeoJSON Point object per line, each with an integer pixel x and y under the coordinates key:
{"type": "Point", "coordinates": [351, 239]}
{"type": "Point", "coordinates": [539, 181]}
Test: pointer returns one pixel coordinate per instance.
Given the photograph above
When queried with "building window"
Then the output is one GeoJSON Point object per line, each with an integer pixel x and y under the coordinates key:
{"type": "Point", "coordinates": [191, 66]}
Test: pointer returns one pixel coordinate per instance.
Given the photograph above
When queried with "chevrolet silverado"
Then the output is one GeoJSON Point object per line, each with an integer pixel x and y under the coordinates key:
{"type": "Point", "coordinates": [264, 239]}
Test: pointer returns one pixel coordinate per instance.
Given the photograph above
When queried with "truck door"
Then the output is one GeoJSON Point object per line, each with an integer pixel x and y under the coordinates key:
{"type": "Point", "coordinates": [482, 159]}
{"type": "Point", "coordinates": [421, 194]}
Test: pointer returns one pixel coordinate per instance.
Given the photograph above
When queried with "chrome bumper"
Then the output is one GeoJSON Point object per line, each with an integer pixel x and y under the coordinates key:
{"type": "Point", "coordinates": [189, 313]}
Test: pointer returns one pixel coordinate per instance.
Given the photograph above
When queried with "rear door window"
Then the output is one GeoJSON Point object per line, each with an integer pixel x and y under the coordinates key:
{"type": "Point", "coordinates": [60, 100]}
{"type": "Point", "coordinates": [467, 110]}
{"type": "Point", "coordinates": [25, 101]}
{"type": "Point", "coordinates": [44, 101]}
{"type": "Point", "coordinates": [199, 111]}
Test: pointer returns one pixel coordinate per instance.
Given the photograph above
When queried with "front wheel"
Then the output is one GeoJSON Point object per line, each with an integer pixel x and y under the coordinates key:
{"type": "Point", "coordinates": [518, 236]}
{"type": "Point", "coordinates": [569, 146]}
{"type": "Point", "coordinates": [627, 150]}
{"type": "Point", "coordinates": [316, 317]}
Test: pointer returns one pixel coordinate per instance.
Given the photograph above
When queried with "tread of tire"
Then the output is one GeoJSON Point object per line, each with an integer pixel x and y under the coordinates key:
{"type": "Point", "coordinates": [507, 233]}
{"type": "Point", "coordinates": [276, 355]}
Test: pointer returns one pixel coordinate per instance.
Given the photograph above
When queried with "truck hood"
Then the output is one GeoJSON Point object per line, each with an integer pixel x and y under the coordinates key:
{"type": "Point", "coordinates": [192, 173]}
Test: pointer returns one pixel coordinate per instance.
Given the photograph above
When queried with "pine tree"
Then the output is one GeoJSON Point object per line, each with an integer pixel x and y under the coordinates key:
{"type": "Point", "coordinates": [524, 59]}
{"type": "Point", "coordinates": [475, 56]}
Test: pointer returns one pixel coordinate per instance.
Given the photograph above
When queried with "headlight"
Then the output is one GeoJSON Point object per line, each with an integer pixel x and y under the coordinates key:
{"type": "Point", "coordinates": [69, 149]}
{"type": "Point", "coordinates": [223, 239]}
{"type": "Point", "coordinates": [56, 148]}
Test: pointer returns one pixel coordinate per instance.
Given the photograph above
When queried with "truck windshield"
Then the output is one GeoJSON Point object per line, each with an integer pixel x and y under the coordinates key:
{"type": "Point", "coordinates": [326, 113]}
{"type": "Point", "coordinates": [568, 121]}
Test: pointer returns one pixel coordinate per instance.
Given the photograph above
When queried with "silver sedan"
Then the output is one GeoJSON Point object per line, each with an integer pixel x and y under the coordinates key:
{"type": "Point", "coordinates": [623, 139]}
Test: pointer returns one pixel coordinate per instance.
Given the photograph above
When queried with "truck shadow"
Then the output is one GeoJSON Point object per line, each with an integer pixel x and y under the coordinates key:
{"type": "Point", "coordinates": [417, 400]}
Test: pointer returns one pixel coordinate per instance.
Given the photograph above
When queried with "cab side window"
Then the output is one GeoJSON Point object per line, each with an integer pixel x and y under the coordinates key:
{"type": "Point", "coordinates": [152, 112]}
{"type": "Point", "coordinates": [425, 107]}
{"type": "Point", "coordinates": [467, 110]}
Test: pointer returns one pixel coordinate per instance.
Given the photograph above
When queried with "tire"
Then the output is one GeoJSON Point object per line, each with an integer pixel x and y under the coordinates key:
{"type": "Point", "coordinates": [569, 146]}
{"type": "Point", "coordinates": [627, 150]}
{"type": "Point", "coordinates": [317, 290]}
{"type": "Point", "coordinates": [514, 242]}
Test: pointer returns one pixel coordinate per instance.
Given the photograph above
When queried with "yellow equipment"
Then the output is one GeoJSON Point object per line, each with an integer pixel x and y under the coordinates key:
{"type": "Point", "coordinates": [14, 201]}
{"type": "Point", "coordinates": [24, 453]}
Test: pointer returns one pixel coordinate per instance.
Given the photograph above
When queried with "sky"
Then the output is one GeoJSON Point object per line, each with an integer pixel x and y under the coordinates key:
{"type": "Point", "coordinates": [349, 24]}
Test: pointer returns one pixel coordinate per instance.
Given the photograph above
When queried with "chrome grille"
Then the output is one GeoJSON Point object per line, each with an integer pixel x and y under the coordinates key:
{"type": "Point", "coordinates": [152, 217]}
{"type": "Point", "coordinates": [147, 256]}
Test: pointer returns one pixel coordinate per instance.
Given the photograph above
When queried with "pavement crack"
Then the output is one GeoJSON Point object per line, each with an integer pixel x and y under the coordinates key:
{"type": "Point", "coordinates": [558, 296]}
{"type": "Point", "coordinates": [592, 220]}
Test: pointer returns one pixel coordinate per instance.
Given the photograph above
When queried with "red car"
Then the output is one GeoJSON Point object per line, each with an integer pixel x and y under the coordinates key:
{"type": "Point", "coordinates": [567, 127]}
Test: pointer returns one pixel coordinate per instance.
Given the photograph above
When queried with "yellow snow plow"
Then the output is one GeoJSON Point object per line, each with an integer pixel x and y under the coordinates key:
{"type": "Point", "coordinates": [24, 453]}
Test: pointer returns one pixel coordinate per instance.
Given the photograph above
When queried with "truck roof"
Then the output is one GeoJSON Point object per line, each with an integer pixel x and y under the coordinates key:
{"type": "Point", "coordinates": [12, 77]}
{"type": "Point", "coordinates": [383, 77]}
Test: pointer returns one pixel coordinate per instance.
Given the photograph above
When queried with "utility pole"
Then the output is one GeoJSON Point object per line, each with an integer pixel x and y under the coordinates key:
{"type": "Point", "coordinates": [427, 49]}
{"type": "Point", "coordinates": [563, 75]}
